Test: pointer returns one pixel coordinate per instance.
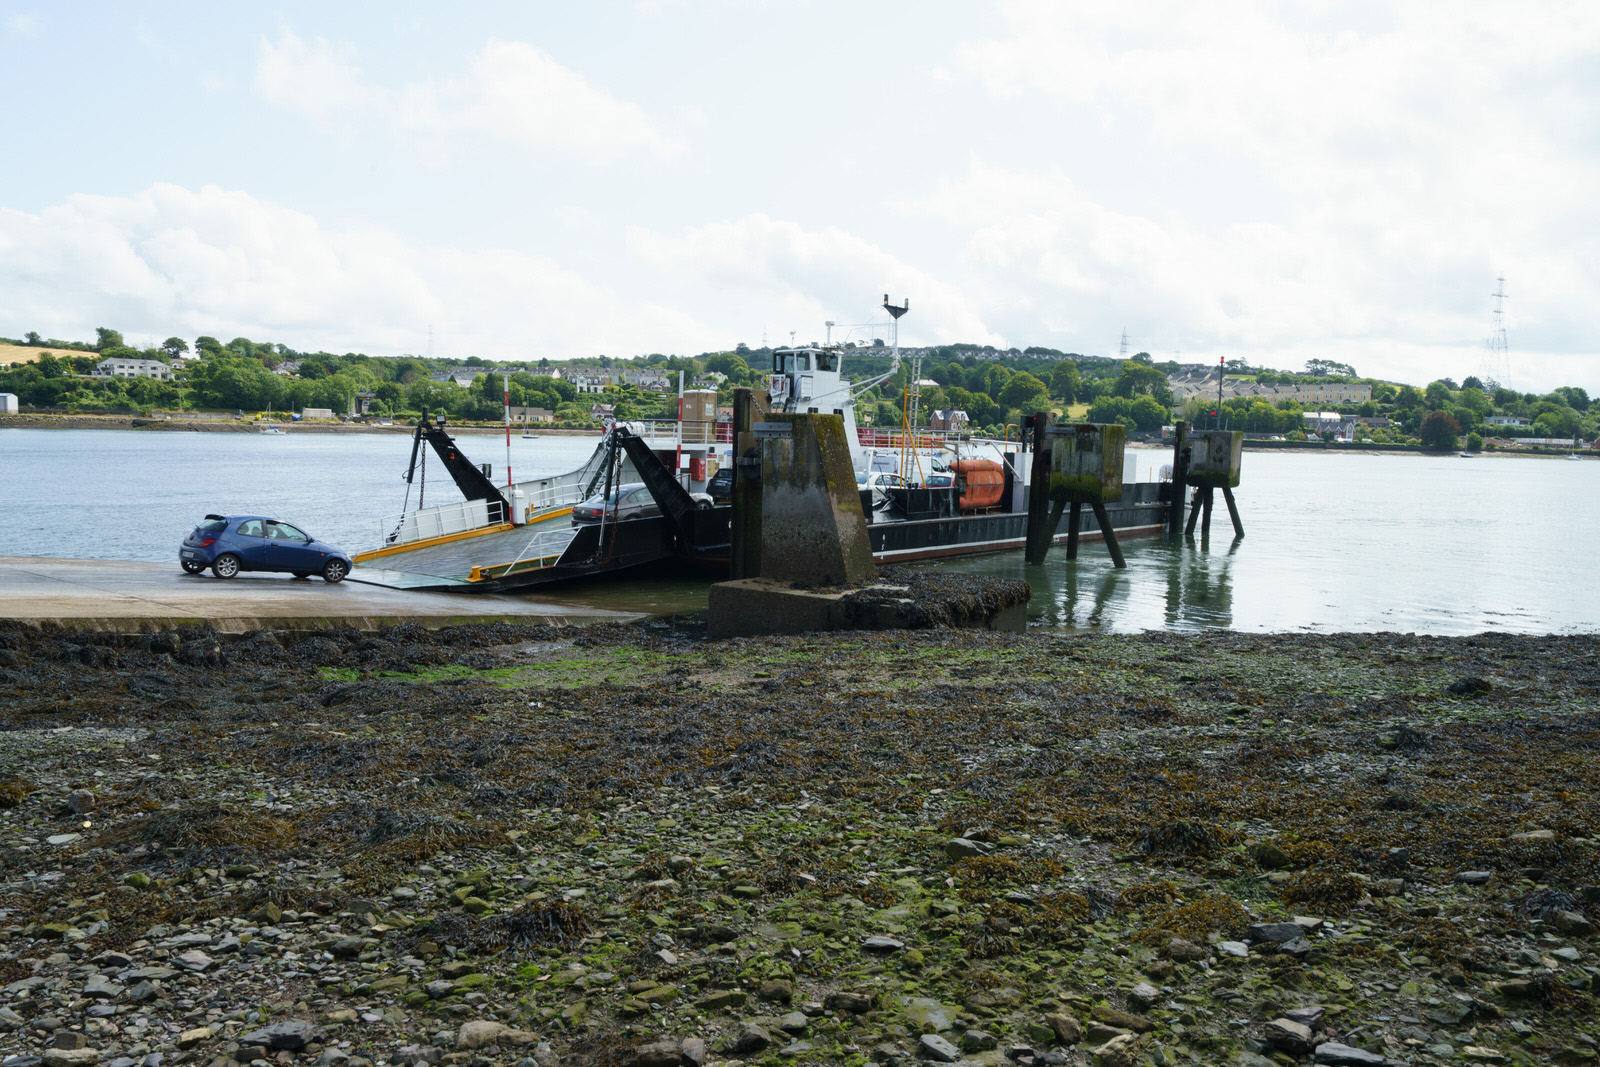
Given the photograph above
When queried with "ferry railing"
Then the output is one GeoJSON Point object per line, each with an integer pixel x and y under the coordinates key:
{"type": "Point", "coordinates": [425, 524]}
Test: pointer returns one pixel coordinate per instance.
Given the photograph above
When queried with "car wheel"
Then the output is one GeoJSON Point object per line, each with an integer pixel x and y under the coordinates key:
{"type": "Point", "coordinates": [191, 567]}
{"type": "Point", "coordinates": [335, 570]}
{"type": "Point", "coordinates": [703, 505]}
{"type": "Point", "coordinates": [225, 565]}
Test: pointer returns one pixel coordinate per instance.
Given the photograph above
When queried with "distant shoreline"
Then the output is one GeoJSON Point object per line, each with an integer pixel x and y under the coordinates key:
{"type": "Point", "coordinates": [199, 425]}
{"type": "Point", "coordinates": [182, 425]}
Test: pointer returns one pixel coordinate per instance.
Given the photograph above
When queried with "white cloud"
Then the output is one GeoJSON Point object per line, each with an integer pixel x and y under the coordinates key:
{"type": "Point", "coordinates": [171, 260]}
{"type": "Point", "coordinates": [22, 24]}
{"type": "Point", "coordinates": [513, 93]}
{"type": "Point", "coordinates": [802, 278]}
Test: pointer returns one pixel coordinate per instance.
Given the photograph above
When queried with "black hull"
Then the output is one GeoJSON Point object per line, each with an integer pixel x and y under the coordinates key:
{"type": "Point", "coordinates": [647, 546]}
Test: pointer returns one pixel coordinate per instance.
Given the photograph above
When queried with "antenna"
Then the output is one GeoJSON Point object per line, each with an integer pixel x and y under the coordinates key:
{"type": "Point", "coordinates": [1496, 353]}
{"type": "Point", "coordinates": [1123, 354]}
{"type": "Point", "coordinates": [430, 340]}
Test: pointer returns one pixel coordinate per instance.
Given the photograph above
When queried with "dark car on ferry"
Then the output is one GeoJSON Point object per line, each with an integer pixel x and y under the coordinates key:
{"type": "Point", "coordinates": [720, 487]}
{"type": "Point", "coordinates": [630, 501]}
{"type": "Point", "coordinates": [228, 544]}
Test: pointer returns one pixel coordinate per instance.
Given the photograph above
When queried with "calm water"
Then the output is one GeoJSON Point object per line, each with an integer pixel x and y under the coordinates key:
{"type": "Point", "coordinates": [1335, 542]}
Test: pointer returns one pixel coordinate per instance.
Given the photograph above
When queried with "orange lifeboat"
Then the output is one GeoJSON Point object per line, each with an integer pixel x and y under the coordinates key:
{"type": "Point", "coordinates": [981, 483]}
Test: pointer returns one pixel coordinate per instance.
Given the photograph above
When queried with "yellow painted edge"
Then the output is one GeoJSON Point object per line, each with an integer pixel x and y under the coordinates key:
{"type": "Point", "coordinates": [411, 546]}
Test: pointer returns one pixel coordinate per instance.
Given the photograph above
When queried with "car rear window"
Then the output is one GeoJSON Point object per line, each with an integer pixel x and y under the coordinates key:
{"type": "Point", "coordinates": [214, 526]}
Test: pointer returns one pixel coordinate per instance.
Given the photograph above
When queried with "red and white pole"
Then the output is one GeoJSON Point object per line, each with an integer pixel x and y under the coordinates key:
{"type": "Point", "coordinates": [506, 381]}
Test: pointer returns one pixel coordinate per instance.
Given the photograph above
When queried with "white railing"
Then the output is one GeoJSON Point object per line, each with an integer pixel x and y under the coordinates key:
{"type": "Point", "coordinates": [442, 521]}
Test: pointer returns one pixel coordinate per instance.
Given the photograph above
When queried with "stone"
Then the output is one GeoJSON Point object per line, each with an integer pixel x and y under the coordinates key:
{"type": "Point", "coordinates": [1066, 1028]}
{"type": "Point", "coordinates": [190, 1038]}
{"type": "Point", "coordinates": [1572, 923]}
{"type": "Point", "coordinates": [1236, 949]}
{"type": "Point", "coordinates": [1299, 948]}
{"type": "Point", "coordinates": [291, 1035]}
{"type": "Point", "coordinates": [849, 1003]}
{"type": "Point", "coordinates": [1276, 932]}
{"type": "Point", "coordinates": [934, 1047]}
{"type": "Point", "coordinates": [99, 987]}
{"type": "Point", "coordinates": [1105, 1013]}
{"type": "Point", "coordinates": [69, 1057]}
{"type": "Point", "coordinates": [750, 1040]}
{"type": "Point", "coordinates": [1335, 1054]}
{"type": "Point", "coordinates": [794, 1022]}
{"type": "Point", "coordinates": [722, 998]}
{"type": "Point", "coordinates": [1533, 837]}
{"type": "Point", "coordinates": [1141, 996]}
{"type": "Point", "coordinates": [1120, 1051]}
{"type": "Point", "coordinates": [478, 1033]}
{"type": "Point", "coordinates": [1473, 877]}
{"type": "Point", "coordinates": [1288, 1035]}
{"type": "Point", "coordinates": [1479, 1054]}
{"type": "Point", "coordinates": [693, 1050]}
{"type": "Point", "coordinates": [978, 1041]}
{"type": "Point", "coordinates": [777, 991]}
{"type": "Point", "coordinates": [880, 944]}
{"type": "Point", "coordinates": [1311, 1016]}
{"type": "Point", "coordinates": [67, 1039]}
{"type": "Point", "coordinates": [960, 848]}
{"type": "Point", "coordinates": [657, 1054]}
{"type": "Point", "coordinates": [1184, 951]}
{"type": "Point", "coordinates": [81, 801]}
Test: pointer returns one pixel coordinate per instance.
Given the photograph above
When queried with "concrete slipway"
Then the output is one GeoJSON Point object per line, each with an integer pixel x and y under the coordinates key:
{"type": "Point", "coordinates": [143, 597]}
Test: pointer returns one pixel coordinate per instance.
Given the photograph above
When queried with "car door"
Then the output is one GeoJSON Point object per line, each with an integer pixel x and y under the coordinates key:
{"type": "Point", "coordinates": [289, 549]}
{"type": "Point", "coordinates": [250, 542]}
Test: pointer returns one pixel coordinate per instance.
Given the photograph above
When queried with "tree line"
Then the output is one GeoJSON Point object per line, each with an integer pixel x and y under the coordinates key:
{"type": "Point", "coordinates": [995, 387]}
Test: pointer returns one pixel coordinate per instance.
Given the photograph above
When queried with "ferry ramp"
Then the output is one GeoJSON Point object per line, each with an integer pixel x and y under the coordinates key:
{"type": "Point", "coordinates": [464, 561]}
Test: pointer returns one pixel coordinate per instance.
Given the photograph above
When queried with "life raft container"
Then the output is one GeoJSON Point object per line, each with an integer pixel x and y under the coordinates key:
{"type": "Point", "coordinates": [981, 482]}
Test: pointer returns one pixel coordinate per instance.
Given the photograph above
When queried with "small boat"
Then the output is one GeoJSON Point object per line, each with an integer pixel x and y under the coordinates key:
{"type": "Point", "coordinates": [1465, 454]}
{"type": "Point", "coordinates": [271, 429]}
{"type": "Point", "coordinates": [1573, 455]}
{"type": "Point", "coordinates": [530, 437]}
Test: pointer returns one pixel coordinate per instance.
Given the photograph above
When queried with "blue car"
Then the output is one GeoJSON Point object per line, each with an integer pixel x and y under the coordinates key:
{"type": "Point", "coordinates": [229, 544]}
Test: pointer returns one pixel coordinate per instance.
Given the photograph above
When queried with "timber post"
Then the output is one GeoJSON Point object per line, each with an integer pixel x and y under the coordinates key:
{"type": "Point", "coordinates": [745, 530]}
{"type": "Point", "coordinates": [1038, 540]}
{"type": "Point", "coordinates": [1109, 534]}
{"type": "Point", "coordinates": [1180, 477]}
{"type": "Point", "coordinates": [1233, 511]}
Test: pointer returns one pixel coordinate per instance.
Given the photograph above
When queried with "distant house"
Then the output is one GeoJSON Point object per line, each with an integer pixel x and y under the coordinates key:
{"type": "Point", "coordinates": [288, 368]}
{"type": "Point", "coordinates": [8, 403]}
{"type": "Point", "coordinates": [949, 419]}
{"type": "Point", "coordinates": [529, 416]}
{"type": "Point", "coordinates": [1506, 420]}
{"type": "Point", "coordinates": [363, 405]}
{"type": "Point", "coordinates": [133, 368]}
{"type": "Point", "coordinates": [602, 411]}
{"type": "Point", "coordinates": [589, 381]}
{"type": "Point", "coordinates": [1320, 422]}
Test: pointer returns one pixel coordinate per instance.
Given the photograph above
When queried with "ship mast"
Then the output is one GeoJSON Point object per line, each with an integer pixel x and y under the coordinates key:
{"type": "Point", "coordinates": [914, 393]}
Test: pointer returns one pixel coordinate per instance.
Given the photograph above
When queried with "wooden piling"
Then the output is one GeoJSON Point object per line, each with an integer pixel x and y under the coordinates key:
{"type": "Point", "coordinates": [1109, 534]}
{"type": "Point", "coordinates": [1180, 474]}
{"type": "Point", "coordinates": [1038, 542]}
{"type": "Point", "coordinates": [1073, 519]}
{"type": "Point", "coordinates": [1233, 512]}
{"type": "Point", "coordinates": [1205, 518]}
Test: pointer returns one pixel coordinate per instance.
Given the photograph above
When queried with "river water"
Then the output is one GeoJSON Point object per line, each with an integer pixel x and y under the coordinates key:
{"type": "Point", "coordinates": [1334, 542]}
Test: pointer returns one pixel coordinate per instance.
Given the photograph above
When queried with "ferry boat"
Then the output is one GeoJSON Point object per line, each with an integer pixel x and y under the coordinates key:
{"type": "Point", "coordinates": [950, 494]}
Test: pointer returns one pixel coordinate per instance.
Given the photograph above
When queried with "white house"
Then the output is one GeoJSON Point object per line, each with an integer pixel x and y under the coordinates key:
{"type": "Point", "coordinates": [133, 368]}
{"type": "Point", "coordinates": [8, 403]}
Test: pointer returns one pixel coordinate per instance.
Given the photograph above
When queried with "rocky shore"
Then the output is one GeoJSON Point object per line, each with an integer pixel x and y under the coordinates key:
{"type": "Point", "coordinates": [627, 845]}
{"type": "Point", "coordinates": [198, 424]}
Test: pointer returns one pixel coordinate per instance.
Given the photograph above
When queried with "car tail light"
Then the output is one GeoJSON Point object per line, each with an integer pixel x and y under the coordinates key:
{"type": "Point", "coordinates": [207, 542]}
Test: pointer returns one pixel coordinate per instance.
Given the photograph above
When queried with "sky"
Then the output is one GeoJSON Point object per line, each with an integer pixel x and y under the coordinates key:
{"type": "Point", "coordinates": [1276, 182]}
